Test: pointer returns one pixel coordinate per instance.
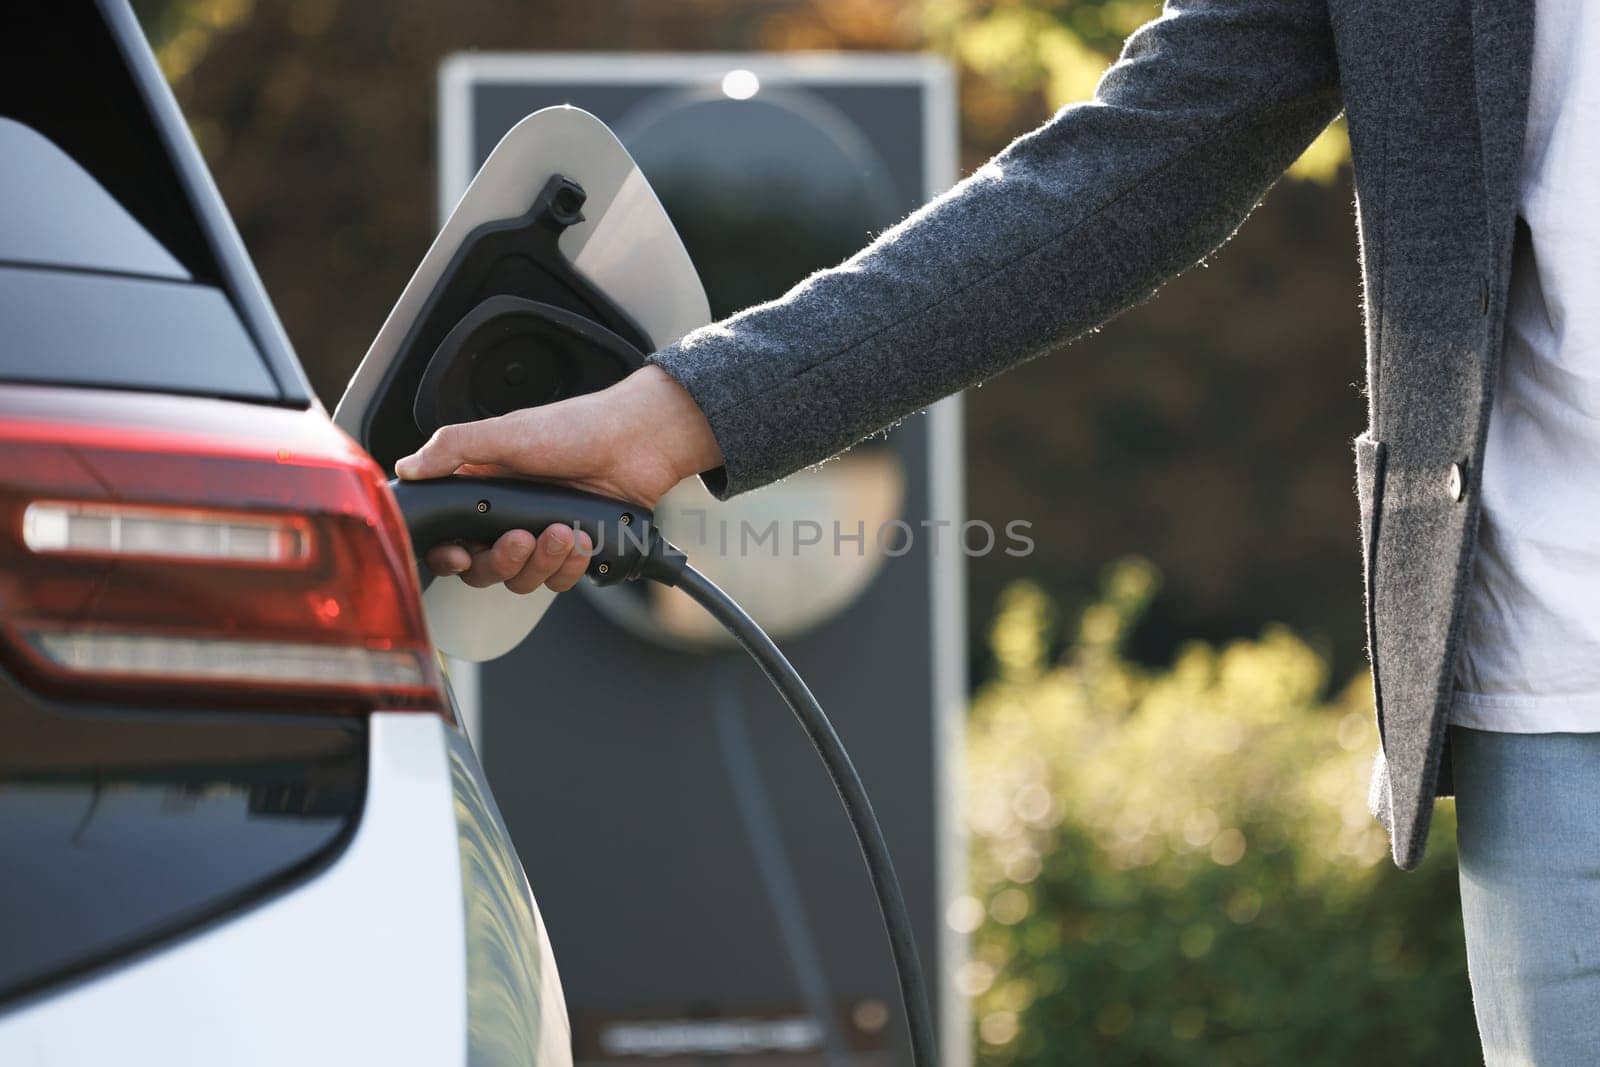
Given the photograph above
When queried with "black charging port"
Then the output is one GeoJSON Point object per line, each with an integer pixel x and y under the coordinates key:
{"type": "Point", "coordinates": [510, 319]}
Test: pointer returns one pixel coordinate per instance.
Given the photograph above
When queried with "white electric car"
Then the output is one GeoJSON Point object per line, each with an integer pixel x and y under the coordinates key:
{"type": "Point", "coordinates": [239, 821]}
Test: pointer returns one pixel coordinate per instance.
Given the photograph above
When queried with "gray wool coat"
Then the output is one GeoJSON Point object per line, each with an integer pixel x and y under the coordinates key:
{"type": "Point", "coordinates": [1089, 214]}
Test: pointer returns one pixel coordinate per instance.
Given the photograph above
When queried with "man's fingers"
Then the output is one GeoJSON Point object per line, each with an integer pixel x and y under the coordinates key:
{"type": "Point", "coordinates": [483, 442]}
{"type": "Point", "coordinates": [575, 566]}
{"type": "Point", "coordinates": [448, 559]}
{"type": "Point", "coordinates": [504, 560]}
{"type": "Point", "coordinates": [557, 558]}
{"type": "Point", "coordinates": [551, 554]}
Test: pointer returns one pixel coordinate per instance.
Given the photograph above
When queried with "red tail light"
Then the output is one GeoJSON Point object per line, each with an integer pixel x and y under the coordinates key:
{"type": "Point", "coordinates": [160, 548]}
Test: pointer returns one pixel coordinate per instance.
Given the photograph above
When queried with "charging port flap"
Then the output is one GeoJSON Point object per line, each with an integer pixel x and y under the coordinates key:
{"type": "Point", "coordinates": [557, 272]}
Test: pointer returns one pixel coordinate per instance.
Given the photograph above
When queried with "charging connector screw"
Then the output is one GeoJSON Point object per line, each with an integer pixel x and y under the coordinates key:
{"type": "Point", "coordinates": [483, 506]}
{"type": "Point", "coordinates": [604, 568]}
{"type": "Point", "coordinates": [627, 519]}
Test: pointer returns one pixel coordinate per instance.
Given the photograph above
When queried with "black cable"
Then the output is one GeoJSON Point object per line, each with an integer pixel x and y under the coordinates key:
{"type": "Point", "coordinates": [628, 547]}
{"type": "Point", "coordinates": [857, 806]}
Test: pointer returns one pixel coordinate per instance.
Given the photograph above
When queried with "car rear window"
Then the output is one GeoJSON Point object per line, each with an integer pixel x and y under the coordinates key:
{"type": "Point", "coordinates": [76, 328]}
{"type": "Point", "coordinates": [53, 213]}
{"type": "Point", "coordinates": [89, 297]}
{"type": "Point", "coordinates": [119, 267]}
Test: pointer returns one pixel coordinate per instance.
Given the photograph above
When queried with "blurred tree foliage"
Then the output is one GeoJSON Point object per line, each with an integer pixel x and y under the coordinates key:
{"type": "Point", "coordinates": [1177, 866]}
{"type": "Point", "coordinates": [1207, 430]}
{"type": "Point", "coordinates": [1058, 50]}
{"type": "Point", "coordinates": [183, 30]}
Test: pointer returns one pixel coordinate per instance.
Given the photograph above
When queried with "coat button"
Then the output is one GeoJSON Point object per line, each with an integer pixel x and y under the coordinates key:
{"type": "Point", "coordinates": [1457, 483]}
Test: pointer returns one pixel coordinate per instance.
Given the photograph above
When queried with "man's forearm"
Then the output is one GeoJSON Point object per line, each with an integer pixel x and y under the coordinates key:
{"type": "Point", "coordinates": [1069, 226]}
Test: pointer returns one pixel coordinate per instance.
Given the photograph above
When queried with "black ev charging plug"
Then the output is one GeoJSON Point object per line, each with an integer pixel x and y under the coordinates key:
{"type": "Point", "coordinates": [626, 544]}
{"type": "Point", "coordinates": [629, 547]}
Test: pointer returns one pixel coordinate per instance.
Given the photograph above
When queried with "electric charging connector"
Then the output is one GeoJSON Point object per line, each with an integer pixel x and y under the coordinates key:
{"type": "Point", "coordinates": [628, 547]}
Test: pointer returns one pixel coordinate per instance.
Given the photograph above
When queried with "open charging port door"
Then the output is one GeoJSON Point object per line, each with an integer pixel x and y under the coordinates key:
{"type": "Point", "coordinates": [556, 274]}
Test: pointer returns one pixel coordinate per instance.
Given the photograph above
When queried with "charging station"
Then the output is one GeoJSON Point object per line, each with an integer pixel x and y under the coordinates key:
{"type": "Point", "coordinates": [685, 851]}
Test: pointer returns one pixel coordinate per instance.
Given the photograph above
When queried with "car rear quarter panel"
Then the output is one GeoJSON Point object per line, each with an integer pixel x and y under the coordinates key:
{"type": "Point", "coordinates": [366, 963]}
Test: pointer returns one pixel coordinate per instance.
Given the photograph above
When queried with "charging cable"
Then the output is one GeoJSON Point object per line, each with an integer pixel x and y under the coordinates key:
{"type": "Point", "coordinates": [629, 548]}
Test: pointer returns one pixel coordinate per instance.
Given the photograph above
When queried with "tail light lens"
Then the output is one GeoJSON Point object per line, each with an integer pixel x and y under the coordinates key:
{"type": "Point", "coordinates": [253, 557]}
{"type": "Point", "coordinates": [173, 534]}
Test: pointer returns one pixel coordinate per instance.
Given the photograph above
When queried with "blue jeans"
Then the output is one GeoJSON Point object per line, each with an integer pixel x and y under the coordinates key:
{"type": "Point", "coordinates": [1528, 829]}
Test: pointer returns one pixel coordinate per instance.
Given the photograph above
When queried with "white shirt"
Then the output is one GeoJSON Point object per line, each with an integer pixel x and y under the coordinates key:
{"type": "Point", "coordinates": [1531, 657]}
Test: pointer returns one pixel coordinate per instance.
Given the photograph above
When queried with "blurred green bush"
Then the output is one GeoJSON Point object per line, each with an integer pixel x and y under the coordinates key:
{"type": "Point", "coordinates": [1177, 865]}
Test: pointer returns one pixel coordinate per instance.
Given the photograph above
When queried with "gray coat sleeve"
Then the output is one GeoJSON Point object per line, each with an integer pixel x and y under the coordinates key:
{"type": "Point", "coordinates": [1070, 225]}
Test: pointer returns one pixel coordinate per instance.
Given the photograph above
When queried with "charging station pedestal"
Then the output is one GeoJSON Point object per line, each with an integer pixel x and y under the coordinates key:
{"type": "Point", "coordinates": [699, 881]}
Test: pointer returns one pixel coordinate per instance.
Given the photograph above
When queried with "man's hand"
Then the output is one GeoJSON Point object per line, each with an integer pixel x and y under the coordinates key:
{"type": "Point", "coordinates": [633, 442]}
